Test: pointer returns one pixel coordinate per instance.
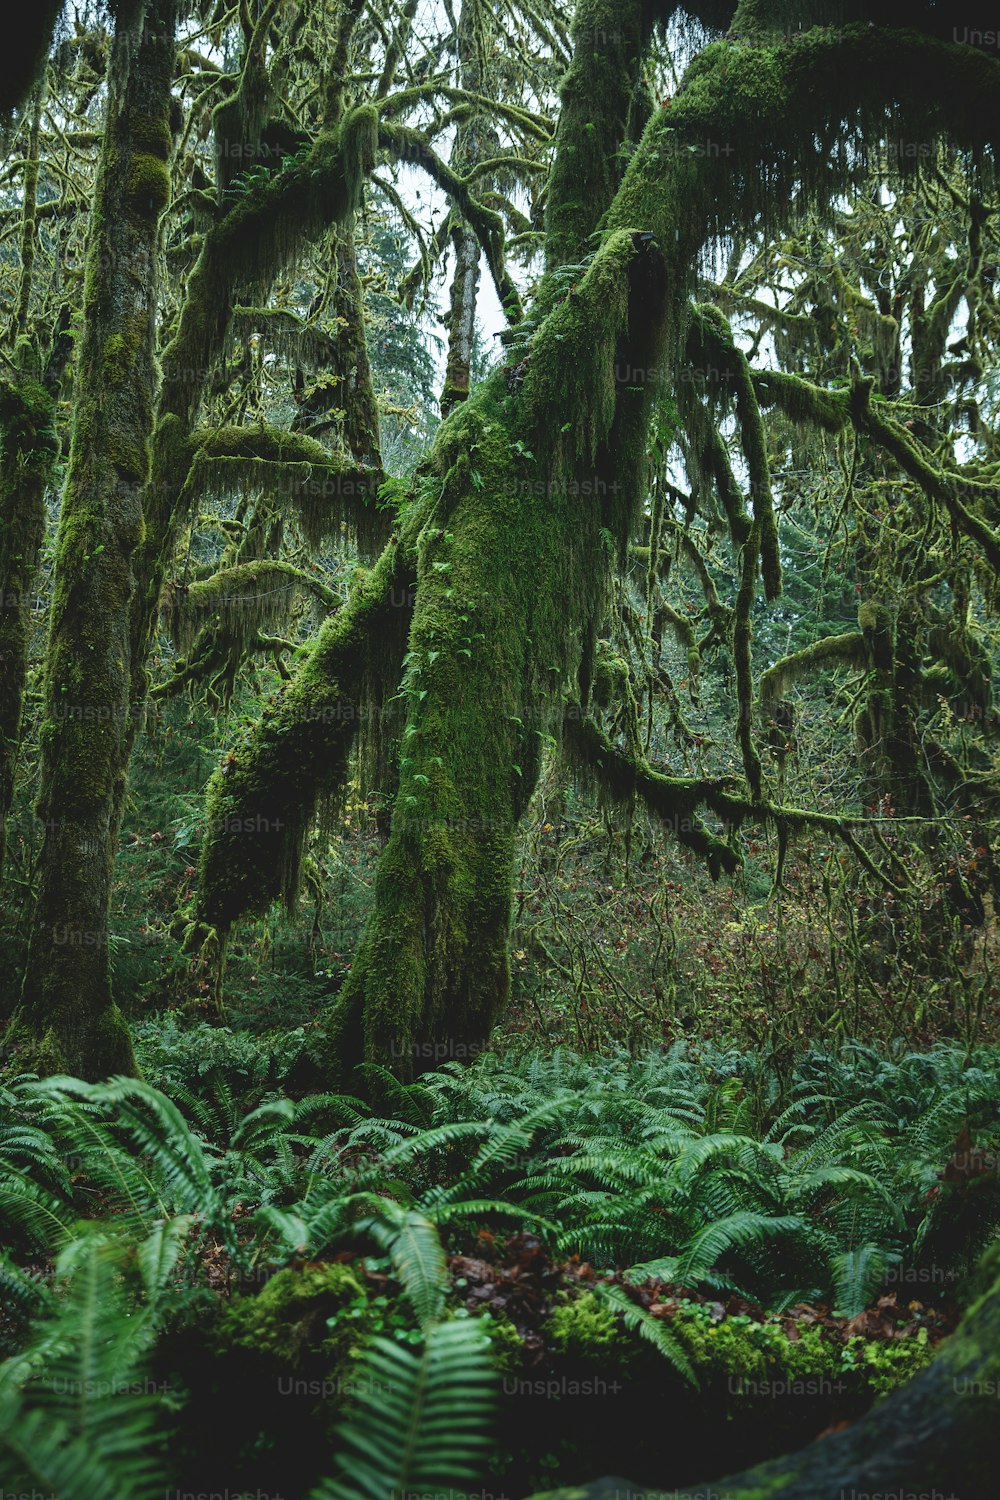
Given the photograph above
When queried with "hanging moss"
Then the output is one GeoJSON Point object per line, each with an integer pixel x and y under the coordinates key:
{"type": "Point", "coordinates": [966, 665]}
{"type": "Point", "coordinates": [328, 492]}
{"type": "Point", "coordinates": [949, 489]}
{"type": "Point", "coordinates": [596, 99]}
{"type": "Point", "coordinates": [718, 349]}
{"type": "Point", "coordinates": [257, 235]}
{"type": "Point", "coordinates": [243, 600]}
{"type": "Point", "coordinates": [673, 799]}
{"type": "Point", "coordinates": [801, 402]}
{"type": "Point", "coordinates": [847, 650]}
{"type": "Point", "coordinates": [760, 130]}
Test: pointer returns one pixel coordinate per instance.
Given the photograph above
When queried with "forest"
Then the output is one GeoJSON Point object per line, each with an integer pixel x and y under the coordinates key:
{"type": "Point", "coordinates": [499, 778]}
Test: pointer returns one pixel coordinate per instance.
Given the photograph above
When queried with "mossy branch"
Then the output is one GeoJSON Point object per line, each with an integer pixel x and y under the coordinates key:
{"type": "Point", "coordinates": [742, 659]}
{"type": "Point", "coordinates": [264, 796]}
{"type": "Point", "coordinates": [406, 144]}
{"type": "Point", "coordinates": [327, 489]}
{"type": "Point", "coordinates": [673, 799]}
{"type": "Point", "coordinates": [712, 340]}
{"type": "Point", "coordinates": [846, 650]}
{"type": "Point", "coordinates": [244, 598]}
{"type": "Point", "coordinates": [934, 481]}
{"type": "Point", "coordinates": [256, 236]}
{"type": "Point", "coordinates": [801, 402]}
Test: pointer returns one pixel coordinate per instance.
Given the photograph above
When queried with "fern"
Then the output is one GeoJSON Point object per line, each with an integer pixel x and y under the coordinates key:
{"type": "Point", "coordinates": [858, 1274]}
{"type": "Point", "coordinates": [651, 1329]}
{"type": "Point", "coordinates": [78, 1418]}
{"type": "Point", "coordinates": [421, 1421]}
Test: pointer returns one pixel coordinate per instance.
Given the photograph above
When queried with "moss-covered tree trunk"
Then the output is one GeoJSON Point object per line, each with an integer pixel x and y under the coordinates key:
{"type": "Point", "coordinates": [472, 36]}
{"type": "Point", "coordinates": [537, 473]}
{"type": "Point", "coordinates": [27, 452]}
{"type": "Point", "coordinates": [543, 472]}
{"type": "Point", "coordinates": [537, 481]}
{"type": "Point", "coordinates": [28, 448]}
{"type": "Point", "coordinates": [67, 1014]}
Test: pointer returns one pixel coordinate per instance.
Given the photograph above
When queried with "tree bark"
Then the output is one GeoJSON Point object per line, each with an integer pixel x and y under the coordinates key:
{"type": "Point", "coordinates": [28, 449]}
{"type": "Point", "coordinates": [461, 319]}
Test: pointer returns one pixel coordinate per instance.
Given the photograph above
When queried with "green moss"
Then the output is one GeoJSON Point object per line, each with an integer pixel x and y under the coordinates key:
{"type": "Point", "coordinates": [716, 347]}
{"type": "Point", "coordinates": [674, 799]}
{"type": "Point", "coordinates": [297, 1313]}
{"type": "Point", "coordinates": [66, 998]}
{"type": "Point", "coordinates": [28, 449]}
{"type": "Point", "coordinates": [583, 1327]}
{"type": "Point", "coordinates": [596, 98]}
{"type": "Point", "coordinates": [506, 1344]}
{"type": "Point", "coordinates": [83, 1046]}
{"type": "Point", "coordinates": [328, 491]}
{"type": "Point", "coordinates": [150, 135]}
{"type": "Point", "coordinates": [261, 801]}
{"type": "Point", "coordinates": [148, 185]}
{"type": "Point", "coordinates": [257, 234]}
{"type": "Point", "coordinates": [753, 1358]}
{"type": "Point", "coordinates": [847, 649]}
{"type": "Point", "coordinates": [123, 350]}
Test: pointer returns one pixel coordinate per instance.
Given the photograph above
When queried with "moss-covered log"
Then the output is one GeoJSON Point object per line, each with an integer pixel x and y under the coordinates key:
{"type": "Point", "coordinates": [67, 1018]}
{"type": "Point", "coordinates": [935, 1436]}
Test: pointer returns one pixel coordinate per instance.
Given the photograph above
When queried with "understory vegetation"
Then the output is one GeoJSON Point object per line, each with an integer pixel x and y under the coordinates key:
{"type": "Point", "coordinates": [283, 1276]}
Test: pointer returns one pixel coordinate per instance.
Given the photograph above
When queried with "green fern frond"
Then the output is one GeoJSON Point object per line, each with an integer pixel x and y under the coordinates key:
{"type": "Point", "coordinates": [857, 1276]}
{"type": "Point", "coordinates": [77, 1414]}
{"type": "Point", "coordinates": [638, 1320]}
{"type": "Point", "coordinates": [421, 1421]}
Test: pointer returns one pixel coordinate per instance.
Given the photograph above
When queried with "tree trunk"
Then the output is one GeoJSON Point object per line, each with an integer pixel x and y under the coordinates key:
{"type": "Point", "coordinates": [67, 1016]}
{"type": "Point", "coordinates": [461, 319]}
{"type": "Point", "coordinates": [543, 474]}
{"type": "Point", "coordinates": [512, 578]}
{"type": "Point", "coordinates": [28, 448]}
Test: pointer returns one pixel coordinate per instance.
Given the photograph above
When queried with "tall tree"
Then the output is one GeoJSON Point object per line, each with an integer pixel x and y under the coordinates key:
{"type": "Point", "coordinates": [539, 482]}
{"type": "Point", "coordinates": [88, 681]}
